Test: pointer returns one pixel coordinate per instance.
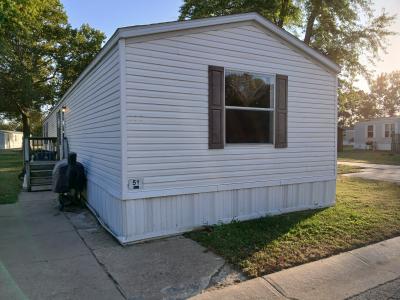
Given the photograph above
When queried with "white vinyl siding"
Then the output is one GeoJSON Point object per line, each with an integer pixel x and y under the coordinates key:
{"type": "Point", "coordinates": [52, 124]}
{"type": "Point", "coordinates": [167, 111]}
{"type": "Point", "coordinates": [93, 123]}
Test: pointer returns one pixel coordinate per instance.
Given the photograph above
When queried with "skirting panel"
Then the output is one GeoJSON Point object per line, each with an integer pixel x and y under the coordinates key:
{"type": "Point", "coordinates": [107, 208]}
{"type": "Point", "coordinates": [161, 216]}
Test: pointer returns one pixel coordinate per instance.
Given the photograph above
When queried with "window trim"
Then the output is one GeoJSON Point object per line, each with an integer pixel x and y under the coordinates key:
{"type": "Point", "coordinates": [391, 130]}
{"type": "Point", "coordinates": [387, 131]}
{"type": "Point", "coordinates": [370, 137]}
{"type": "Point", "coordinates": [250, 109]}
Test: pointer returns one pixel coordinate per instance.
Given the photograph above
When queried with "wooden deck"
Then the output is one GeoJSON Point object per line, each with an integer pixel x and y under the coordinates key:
{"type": "Point", "coordinates": [40, 156]}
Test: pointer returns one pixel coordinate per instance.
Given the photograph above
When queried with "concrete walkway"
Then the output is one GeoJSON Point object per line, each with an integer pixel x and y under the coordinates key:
{"type": "Point", "coordinates": [389, 173]}
{"type": "Point", "coordinates": [372, 272]}
{"type": "Point", "coordinates": [45, 254]}
{"type": "Point", "coordinates": [43, 257]}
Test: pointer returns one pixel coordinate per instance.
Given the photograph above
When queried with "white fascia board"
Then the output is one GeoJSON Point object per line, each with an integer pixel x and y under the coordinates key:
{"type": "Point", "coordinates": [135, 31]}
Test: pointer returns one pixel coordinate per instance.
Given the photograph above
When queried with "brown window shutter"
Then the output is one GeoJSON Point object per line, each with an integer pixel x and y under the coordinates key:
{"type": "Point", "coordinates": [215, 107]}
{"type": "Point", "coordinates": [281, 111]}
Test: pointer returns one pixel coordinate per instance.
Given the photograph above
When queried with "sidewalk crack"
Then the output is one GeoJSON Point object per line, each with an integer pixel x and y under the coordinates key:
{"type": "Point", "coordinates": [360, 258]}
{"type": "Point", "coordinates": [278, 288]}
{"type": "Point", "coordinates": [109, 275]}
{"type": "Point", "coordinates": [213, 276]}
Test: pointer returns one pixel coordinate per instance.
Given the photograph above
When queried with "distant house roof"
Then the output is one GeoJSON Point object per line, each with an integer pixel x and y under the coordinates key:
{"type": "Point", "coordinates": [158, 28]}
{"type": "Point", "coordinates": [395, 118]}
{"type": "Point", "coordinates": [10, 131]}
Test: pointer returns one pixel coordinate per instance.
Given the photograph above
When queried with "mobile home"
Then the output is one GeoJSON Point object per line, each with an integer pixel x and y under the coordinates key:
{"type": "Point", "coordinates": [192, 123]}
{"type": "Point", "coordinates": [376, 133]}
{"type": "Point", "coordinates": [10, 139]}
{"type": "Point", "coordinates": [348, 136]}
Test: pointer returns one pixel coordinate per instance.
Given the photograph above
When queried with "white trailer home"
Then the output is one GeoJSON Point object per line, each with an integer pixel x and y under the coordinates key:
{"type": "Point", "coordinates": [10, 139]}
{"type": "Point", "coordinates": [348, 136]}
{"type": "Point", "coordinates": [376, 133]}
{"type": "Point", "coordinates": [185, 124]}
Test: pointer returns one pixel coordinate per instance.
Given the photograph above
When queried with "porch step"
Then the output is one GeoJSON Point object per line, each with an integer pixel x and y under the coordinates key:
{"type": "Point", "coordinates": [40, 181]}
{"type": "Point", "coordinates": [42, 165]}
{"type": "Point", "coordinates": [41, 173]}
{"type": "Point", "coordinates": [37, 188]}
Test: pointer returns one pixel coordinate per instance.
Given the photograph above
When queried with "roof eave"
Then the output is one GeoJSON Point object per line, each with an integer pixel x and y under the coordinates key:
{"type": "Point", "coordinates": [135, 31]}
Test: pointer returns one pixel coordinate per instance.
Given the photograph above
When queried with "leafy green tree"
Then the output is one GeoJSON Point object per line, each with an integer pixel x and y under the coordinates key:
{"type": "Point", "coordinates": [356, 105]}
{"type": "Point", "coordinates": [7, 124]}
{"type": "Point", "coordinates": [281, 12]}
{"type": "Point", "coordinates": [76, 51]}
{"type": "Point", "coordinates": [29, 32]}
{"type": "Point", "coordinates": [336, 29]}
{"type": "Point", "coordinates": [385, 92]}
{"type": "Point", "coordinates": [40, 55]}
{"type": "Point", "coordinates": [347, 111]}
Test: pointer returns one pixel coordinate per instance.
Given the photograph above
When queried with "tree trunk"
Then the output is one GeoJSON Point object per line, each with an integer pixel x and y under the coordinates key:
{"type": "Point", "coordinates": [26, 129]}
{"type": "Point", "coordinates": [315, 10]}
{"type": "Point", "coordinates": [283, 13]}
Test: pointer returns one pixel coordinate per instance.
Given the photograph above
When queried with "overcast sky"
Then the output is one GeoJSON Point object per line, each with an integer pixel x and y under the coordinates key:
{"type": "Point", "coordinates": [108, 15]}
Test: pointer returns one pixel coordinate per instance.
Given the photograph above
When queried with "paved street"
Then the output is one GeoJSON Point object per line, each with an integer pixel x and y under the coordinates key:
{"type": "Point", "coordinates": [389, 173]}
{"type": "Point", "coordinates": [389, 290]}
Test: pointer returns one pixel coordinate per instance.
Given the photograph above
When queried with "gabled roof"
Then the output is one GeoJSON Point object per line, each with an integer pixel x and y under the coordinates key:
{"type": "Point", "coordinates": [141, 30]}
{"type": "Point", "coordinates": [158, 28]}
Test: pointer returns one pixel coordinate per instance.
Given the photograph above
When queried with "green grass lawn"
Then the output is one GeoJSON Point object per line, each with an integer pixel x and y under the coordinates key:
{"type": "Point", "coordinates": [365, 212]}
{"type": "Point", "coordinates": [368, 156]}
{"type": "Point", "coordinates": [10, 167]}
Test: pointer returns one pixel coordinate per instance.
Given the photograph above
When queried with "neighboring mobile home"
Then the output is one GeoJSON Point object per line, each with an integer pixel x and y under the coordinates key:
{"type": "Point", "coordinates": [376, 132]}
{"type": "Point", "coordinates": [348, 136]}
{"type": "Point", "coordinates": [10, 139]}
{"type": "Point", "coordinates": [193, 123]}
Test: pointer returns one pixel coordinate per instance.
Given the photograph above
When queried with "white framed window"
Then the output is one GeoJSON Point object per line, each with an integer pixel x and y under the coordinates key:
{"type": "Point", "coordinates": [370, 131]}
{"type": "Point", "coordinates": [389, 130]}
{"type": "Point", "coordinates": [249, 107]}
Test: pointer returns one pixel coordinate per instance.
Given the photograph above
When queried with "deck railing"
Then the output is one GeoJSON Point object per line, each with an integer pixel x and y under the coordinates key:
{"type": "Point", "coordinates": [41, 149]}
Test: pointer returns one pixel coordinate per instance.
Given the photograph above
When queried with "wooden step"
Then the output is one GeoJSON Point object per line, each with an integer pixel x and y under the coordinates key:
{"type": "Point", "coordinates": [41, 181]}
{"type": "Point", "coordinates": [37, 188]}
{"type": "Point", "coordinates": [42, 165]}
{"type": "Point", "coordinates": [41, 173]}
